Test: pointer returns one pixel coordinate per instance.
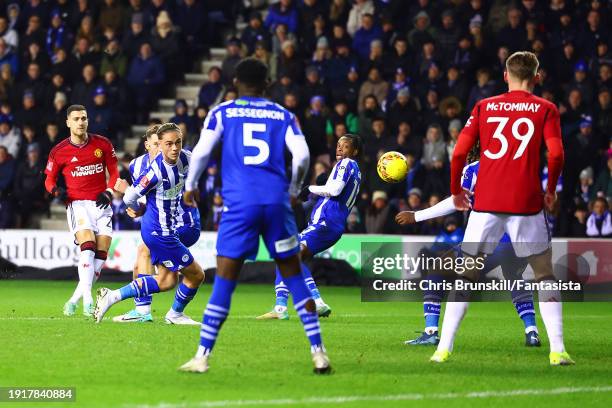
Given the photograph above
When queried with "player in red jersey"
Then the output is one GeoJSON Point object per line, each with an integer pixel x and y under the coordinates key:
{"type": "Point", "coordinates": [83, 159]}
{"type": "Point", "coordinates": [508, 198]}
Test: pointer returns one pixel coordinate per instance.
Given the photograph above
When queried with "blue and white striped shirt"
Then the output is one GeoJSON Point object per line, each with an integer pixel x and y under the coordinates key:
{"type": "Point", "coordinates": [163, 185]}
{"type": "Point", "coordinates": [334, 209]}
{"type": "Point", "coordinates": [186, 215]}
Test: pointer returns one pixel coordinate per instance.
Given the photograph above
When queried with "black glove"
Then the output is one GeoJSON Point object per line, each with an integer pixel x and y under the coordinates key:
{"type": "Point", "coordinates": [104, 199]}
{"type": "Point", "coordinates": [59, 193]}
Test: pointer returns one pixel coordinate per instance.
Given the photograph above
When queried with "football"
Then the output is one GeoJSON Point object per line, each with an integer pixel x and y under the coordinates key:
{"type": "Point", "coordinates": [392, 167]}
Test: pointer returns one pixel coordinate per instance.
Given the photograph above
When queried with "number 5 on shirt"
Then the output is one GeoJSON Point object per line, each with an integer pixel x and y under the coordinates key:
{"type": "Point", "coordinates": [250, 141]}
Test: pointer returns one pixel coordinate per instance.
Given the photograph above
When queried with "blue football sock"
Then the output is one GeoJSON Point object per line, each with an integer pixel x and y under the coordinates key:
{"type": "Point", "coordinates": [282, 293]}
{"type": "Point", "coordinates": [183, 296]}
{"type": "Point", "coordinates": [523, 303]}
{"type": "Point", "coordinates": [145, 300]}
{"type": "Point", "coordinates": [431, 303]}
{"type": "Point", "coordinates": [215, 314]}
{"type": "Point", "coordinates": [310, 283]}
{"type": "Point", "coordinates": [310, 320]}
{"type": "Point", "coordinates": [140, 287]}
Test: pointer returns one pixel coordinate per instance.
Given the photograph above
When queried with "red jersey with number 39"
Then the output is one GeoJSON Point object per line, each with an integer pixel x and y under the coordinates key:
{"type": "Point", "coordinates": [83, 167]}
{"type": "Point", "coordinates": [511, 128]}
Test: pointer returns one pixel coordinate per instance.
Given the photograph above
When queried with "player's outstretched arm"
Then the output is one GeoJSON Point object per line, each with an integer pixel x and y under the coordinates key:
{"type": "Point", "coordinates": [467, 139]}
{"type": "Point", "coordinates": [332, 188]}
{"type": "Point", "coordinates": [296, 144]}
{"type": "Point", "coordinates": [444, 207]}
{"type": "Point", "coordinates": [209, 136]}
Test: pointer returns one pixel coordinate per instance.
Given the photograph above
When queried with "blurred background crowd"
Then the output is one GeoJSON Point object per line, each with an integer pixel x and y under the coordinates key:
{"type": "Point", "coordinates": [404, 74]}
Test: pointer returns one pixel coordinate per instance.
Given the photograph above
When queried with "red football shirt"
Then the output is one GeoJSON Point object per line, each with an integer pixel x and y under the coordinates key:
{"type": "Point", "coordinates": [83, 167]}
{"type": "Point", "coordinates": [511, 128]}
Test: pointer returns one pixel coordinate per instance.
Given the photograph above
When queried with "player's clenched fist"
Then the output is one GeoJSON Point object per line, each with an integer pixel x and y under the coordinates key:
{"type": "Point", "coordinates": [405, 218]}
{"type": "Point", "coordinates": [190, 198]}
{"type": "Point", "coordinates": [104, 199]}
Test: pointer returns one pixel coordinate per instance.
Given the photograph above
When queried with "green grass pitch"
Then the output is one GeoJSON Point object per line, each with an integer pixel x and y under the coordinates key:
{"type": "Point", "coordinates": [267, 363]}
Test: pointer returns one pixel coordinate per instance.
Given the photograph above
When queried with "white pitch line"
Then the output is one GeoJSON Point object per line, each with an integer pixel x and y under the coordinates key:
{"type": "Point", "coordinates": [374, 398]}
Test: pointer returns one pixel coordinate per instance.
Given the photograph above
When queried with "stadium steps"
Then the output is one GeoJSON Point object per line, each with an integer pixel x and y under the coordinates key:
{"type": "Point", "coordinates": [54, 223]}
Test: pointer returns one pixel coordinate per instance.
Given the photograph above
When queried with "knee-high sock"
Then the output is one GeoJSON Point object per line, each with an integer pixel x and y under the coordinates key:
{"type": "Point", "coordinates": [137, 288]}
{"type": "Point", "coordinates": [453, 315]}
{"type": "Point", "coordinates": [551, 310]}
{"type": "Point", "coordinates": [432, 299]}
{"type": "Point", "coordinates": [99, 259]}
{"type": "Point", "coordinates": [143, 304]}
{"type": "Point", "coordinates": [310, 283]}
{"type": "Point", "coordinates": [282, 293]}
{"type": "Point", "coordinates": [215, 314]}
{"type": "Point", "coordinates": [86, 273]}
{"type": "Point", "coordinates": [183, 296]}
{"type": "Point", "coordinates": [523, 303]}
{"type": "Point", "coordinates": [310, 320]}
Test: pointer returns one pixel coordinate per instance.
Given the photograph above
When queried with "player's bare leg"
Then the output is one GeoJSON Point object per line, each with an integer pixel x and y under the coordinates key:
{"type": "Point", "coordinates": [86, 269]}
{"type": "Point", "coordinates": [551, 308]}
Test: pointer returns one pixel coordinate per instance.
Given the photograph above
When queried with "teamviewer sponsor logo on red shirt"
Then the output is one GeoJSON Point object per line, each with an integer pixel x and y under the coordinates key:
{"type": "Point", "coordinates": [80, 171]}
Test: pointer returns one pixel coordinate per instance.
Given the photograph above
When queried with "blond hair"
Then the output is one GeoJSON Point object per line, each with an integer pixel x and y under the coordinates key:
{"type": "Point", "coordinates": [522, 65]}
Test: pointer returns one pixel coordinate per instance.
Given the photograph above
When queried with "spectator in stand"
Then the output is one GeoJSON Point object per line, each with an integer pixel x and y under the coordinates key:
{"type": "Point", "coordinates": [514, 34]}
{"type": "Point", "coordinates": [454, 128]}
{"type": "Point", "coordinates": [181, 113]}
{"type": "Point", "coordinates": [339, 11]}
{"type": "Point", "coordinates": [7, 176]}
{"type": "Point", "coordinates": [375, 86]}
{"type": "Point", "coordinates": [339, 65]}
{"type": "Point", "coordinates": [165, 42]}
{"type": "Point", "coordinates": [135, 37]}
{"type": "Point", "coordinates": [582, 83]}
{"type": "Point", "coordinates": [369, 110]}
{"type": "Point", "coordinates": [9, 35]}
{"type": "Point", "coordinates": [114, 59]}
{"type": "Point", "coordinates": [215, 213]}
{"type": "Point", "coordinates": [197, 119]}
{"type": "Point", "coordinates": [30, 112]}
{"type": "Point", "coordinates": [341, 114]}
{"type": "Point", "coordinates": [282, 87]}
{"type": "Point", "coordinates": [85, 54]}
{"type": "Point", "coordinates": [112, 14]}
{"type": "Point", "coordinates": [289, 62]}
{"type": "Point", "coordinates": [233, 57]}
{"type": "Point", "coordinates": [603, 185]}
{"type": "Point", "coordinates": [7, 90]}
{"type": "Point", "coordinates": [378, 139]}
{"type": "Point", "coordinates": [363, 38]}
{"type": "Point", "coordinates": [33, 33]}
{"type": "Point", "coordinates": [403, 108]}
{"type": "Point", "coordinates": [37, 56]}
{"type": "Point", "coordinates": [211, 89]}
{"type": "Point", "coordinates": [313, 85]}
{"type": "Point", "coordinates": [29, 189]}
{"type": "Point", "coordinates": [599, 223]}
{"type": "Point", "coordinates": [422, 31]}
{"type": "Point", "coordinates": [58, 112]}
{"type": "Point", "coordinates": [255, 32]}
{"type": "Point", "coordinates": [58, 34]}
{"type": "Point", "coordinates": [102, 118]}
{"type": "Point", "coordinates": [313, 126]}
{"type": "Point", "coordinates": [585, 189]}
{"type": "Point", "coordinates": [283, 12]}
{"type": "Point", "coordinates": [191, 17]}
{"type": "Point", "coordinates": [145, 76]}
{"type": "Point", "coordinates": [398, 60]}
{"type": "Point", "coordinates": [83, 91]}
{"type": "Point", "coordinates": [50, 138]}
{"type": "Point", "coordinates": [484, 88]}
{"type": "Point", "coordinates": [355, 17]}
{"type": "Point", "coordinates": [264, 55]}
{"type": "Point", "coordinates": [8, 57]}
{"type": "Point", "coordinates": [379, 216]}
{"type": "Point", "coordinates": [28, 138]}
{"type": "Point", "coordinates": [454, 85]}
{"type": "Point", "coordinates": [9, 136]}
{"type": "Point", "coordinates": [447, 36]}
{"type": "Point", "coordinates": [406, 142]}
{"type": "Point", "coordinates": [281, 34]}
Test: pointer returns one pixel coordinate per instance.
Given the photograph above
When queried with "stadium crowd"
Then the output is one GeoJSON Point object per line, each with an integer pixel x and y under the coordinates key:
{"type": "Point", "coordinates": [402, 74]}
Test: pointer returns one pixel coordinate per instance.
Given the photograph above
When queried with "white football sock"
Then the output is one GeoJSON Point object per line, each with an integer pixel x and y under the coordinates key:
{"type": "Point", "coordinates": [98, 268]}
{"type": "Point", "coordinates": [76, 295]}
{"type": "Point", "coordinates": [145, 309]}
{"type": "Point", "coordinates": [86, 275]}
{"type": "Point", "coordinates": [551, 309]}
{"type": "Point", "coordinates": [453, 315]}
